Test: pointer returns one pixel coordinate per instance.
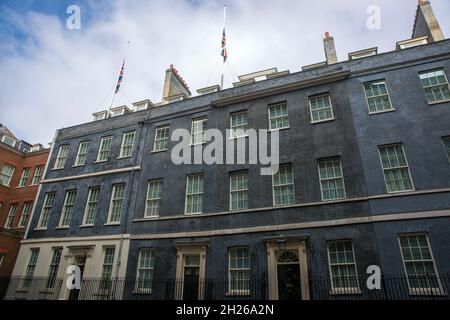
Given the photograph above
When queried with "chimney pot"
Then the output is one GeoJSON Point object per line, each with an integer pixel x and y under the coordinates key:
{"type": "Point", "coordinates": [327, 34]}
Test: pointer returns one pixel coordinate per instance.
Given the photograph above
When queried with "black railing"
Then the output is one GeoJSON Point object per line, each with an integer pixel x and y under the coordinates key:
{"type": "Point", "coordinates": [320, 288]}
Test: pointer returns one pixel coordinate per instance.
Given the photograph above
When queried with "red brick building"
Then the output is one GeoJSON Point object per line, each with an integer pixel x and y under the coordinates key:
{"type": "Point", "coordinates": [21, 168]}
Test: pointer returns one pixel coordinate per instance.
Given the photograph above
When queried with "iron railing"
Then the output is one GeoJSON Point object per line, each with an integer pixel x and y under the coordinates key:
{"type": "Point", "coordinates": [320, 288]}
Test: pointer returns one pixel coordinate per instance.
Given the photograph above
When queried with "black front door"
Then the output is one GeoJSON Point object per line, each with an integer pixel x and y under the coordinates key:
{"type": "Point", "coordinates": [289, 281]}
{"type": "Point", "coordinates": [191, 279]}
{"type": "Point", "coordinates": [80, 261]}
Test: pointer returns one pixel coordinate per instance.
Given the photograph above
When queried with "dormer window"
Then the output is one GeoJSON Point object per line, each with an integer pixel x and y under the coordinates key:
{"type": "Point", "coordinates": [99, 115]}
{"type": "Point", "coordinates": [412, 43]}
{"type": "Point", "coordinates": [143, 105]}
{"type": "Point", "coordinates": [9, 141]}
{"type": "Point", "coordinates": [119, 111]}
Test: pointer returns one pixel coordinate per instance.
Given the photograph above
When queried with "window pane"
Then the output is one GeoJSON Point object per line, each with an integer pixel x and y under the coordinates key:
{"type": "Point", "coordinates": [238, 190]}
{"type": "Point", "coordinates": [342, 265]}
{"type": "Point", "coordinates": [6, 174]}
{"type": "Point", "coordinates": [419, 262]}
{"type": "Point", "coordinates": [321, 108]}
{"type": "Point", "coordinates": [395, 168]}
{"type": "Point", "coordinates": [436, 86]}
{"type": "Point", "coordinates": [283, 186]}
{"type": "Point", "coordinates": [194, 194]}
{"type": "Point", "coordinates": [154, 190]}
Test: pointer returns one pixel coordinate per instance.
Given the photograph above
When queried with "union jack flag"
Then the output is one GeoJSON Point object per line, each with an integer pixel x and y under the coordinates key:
{"type": "Point", "coordinates": [119, 81]}
{"type": "Point", "coordinates": [224, 46]}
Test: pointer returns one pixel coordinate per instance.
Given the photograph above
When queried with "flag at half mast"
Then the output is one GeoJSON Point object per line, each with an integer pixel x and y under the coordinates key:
{"type": "Point", "coordinates": [119, 80]}
{"type": "Point", "coordinates": [224, 46]}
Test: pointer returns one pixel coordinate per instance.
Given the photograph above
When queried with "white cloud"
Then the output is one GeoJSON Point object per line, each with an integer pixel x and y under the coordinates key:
{"type": "Point", "coordinates": [57, 77]}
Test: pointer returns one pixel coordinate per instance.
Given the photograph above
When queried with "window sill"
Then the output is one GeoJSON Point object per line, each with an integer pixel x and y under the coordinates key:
{"type": "Point", "coordinates": [86, 225]}
{"type": "Point", "coordinates": [240, 137]}
{"type": "Point", "coordinates": [143, 291]}
{"type": "Point", "coordinates": [40, 229]}
{"type": "Point", "coordinates": [237, 293]}
{"type": "Point", "coordinates": [193, 214]}
{"type": "Point", "coordinates": [426, 292]}
{"type": "Point", "coordinates": [403, 191]}
{"type": "Point", "coordinates": [336, 199]}
{"type": "Point", "coordinates": [323, 121]}
{"type": "Point", "coordinates": [119, 158]}
{"type": "Point", "coordinates": [78, 165]}
{"type": "Point", "coordinates": [150, 218]}
{"type": "Point", "coordinates": [112, 224]}
{"type": "Point", "coordinates": [56, 169]}
{"type": "Point", "coordinates": [383, 111]}
{"type": "Point", "coordinates": [438, 102]}
{"type": "Point", "coordinates": [279, 129]}
{"type": "Point", "coordinates": [62, 228]}
{"type": "Point", "coordinates": [20, 187]}
{"type": "Point", "coordinates": [339, 291]}
{"type": "Point", "coordinates": [22, 290]}
{"type": "Point", "coordinates": [197, 144]}
{"type": "Point", "coordinates": [95, 162]}
{"type": "Point", "coordinates": [158, 151]}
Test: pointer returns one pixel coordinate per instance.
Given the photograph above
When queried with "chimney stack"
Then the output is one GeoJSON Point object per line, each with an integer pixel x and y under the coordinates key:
{"type": "Point", "coordinates": [426, 23]}
{"type": "Point", "coordinates": [330, 50]}
{"type": "Point", "coordinates": [174, 85]}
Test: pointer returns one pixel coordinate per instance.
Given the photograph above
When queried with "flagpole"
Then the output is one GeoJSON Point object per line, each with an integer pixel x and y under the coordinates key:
{"type": "Point", "coordinates": [223, 61]}
{"type": "Point", "coordinates": [115, 85]}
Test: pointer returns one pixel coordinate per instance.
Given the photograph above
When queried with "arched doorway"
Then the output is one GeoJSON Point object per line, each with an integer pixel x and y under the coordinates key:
{"type": "Point", "coordinates": [288, 275]}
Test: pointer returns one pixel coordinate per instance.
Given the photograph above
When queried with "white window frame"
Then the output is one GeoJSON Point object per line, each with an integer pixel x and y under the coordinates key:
{"type": "Point", "coordinates": [37, 175]}
{"type": "Point", "coordinates": [113, 194]}
{"type": "Point", "coordinates": [5, 175]}
{"type": "Point", "coordinates": [123, 146]}
{"type": "Point", "coordinates": [103, 140]}
{"type": "Point", "coordinates": [11, 215]}
{"type": "Point", "coordinates": [28, 205]}
{"type": "Point", "coordinates": [193, 194]}
{"type": "Point", "coordinates": [334, 178]}
{"type": "Point", "coordinates": [61, 158]}
{"type": "Point", "coordinates": [239, 190]}
{"type": "Point", "coordinates": [343, 290]}
{"type": "Point", "coordinates": [45, 207]}
{"type": "Point", "coordinates": [378, 96]}
{"type": "Point", "coordinates": [31, 267]}
{"type": "Point", "coordinates": [158, 138]}
{"type": "Point", "coordinates": [293, 185]}
{"type": "Point", "coordinates": [150, 268]}
{"type": "Point", "coordinates": [81, 156]}
{"type": "Point", "coordinates": [311, 110]}
{"type": "Point", "coordinates": [157, 199]}
{"type": "Point", "coordinates": [89, 202]}
{"type": "Point", "coordinates": [231, 290]}
{"type": "Point", "coordinates": [421, 291]}
{"type": "Point", "coordinates": [24, 177]}
{"type": "Point", "coordinates": [9, 141]}
{"type": "Point", "coordinates": [194, 121]}
{"type": "Point", "coordinates": [436, 85]}
{"type": "Point", "coordinates": [103, 277]}
{"type": "Point", "coordinates": [2, 257]}
{"type": "Point", "coordinates": [274, 105]}
{"type": "Point", "coordinates": [54, 268]}
{"type": "Point", "coordinates": [233, 128]}
{"type": "Point", "coordinates": [407, 166]}
{"type": "Point", "coordinates": [67, 209]}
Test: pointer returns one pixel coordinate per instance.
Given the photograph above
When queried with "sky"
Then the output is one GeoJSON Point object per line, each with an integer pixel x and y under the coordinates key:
{"type": "Point", "coordinates": [54, 77]}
